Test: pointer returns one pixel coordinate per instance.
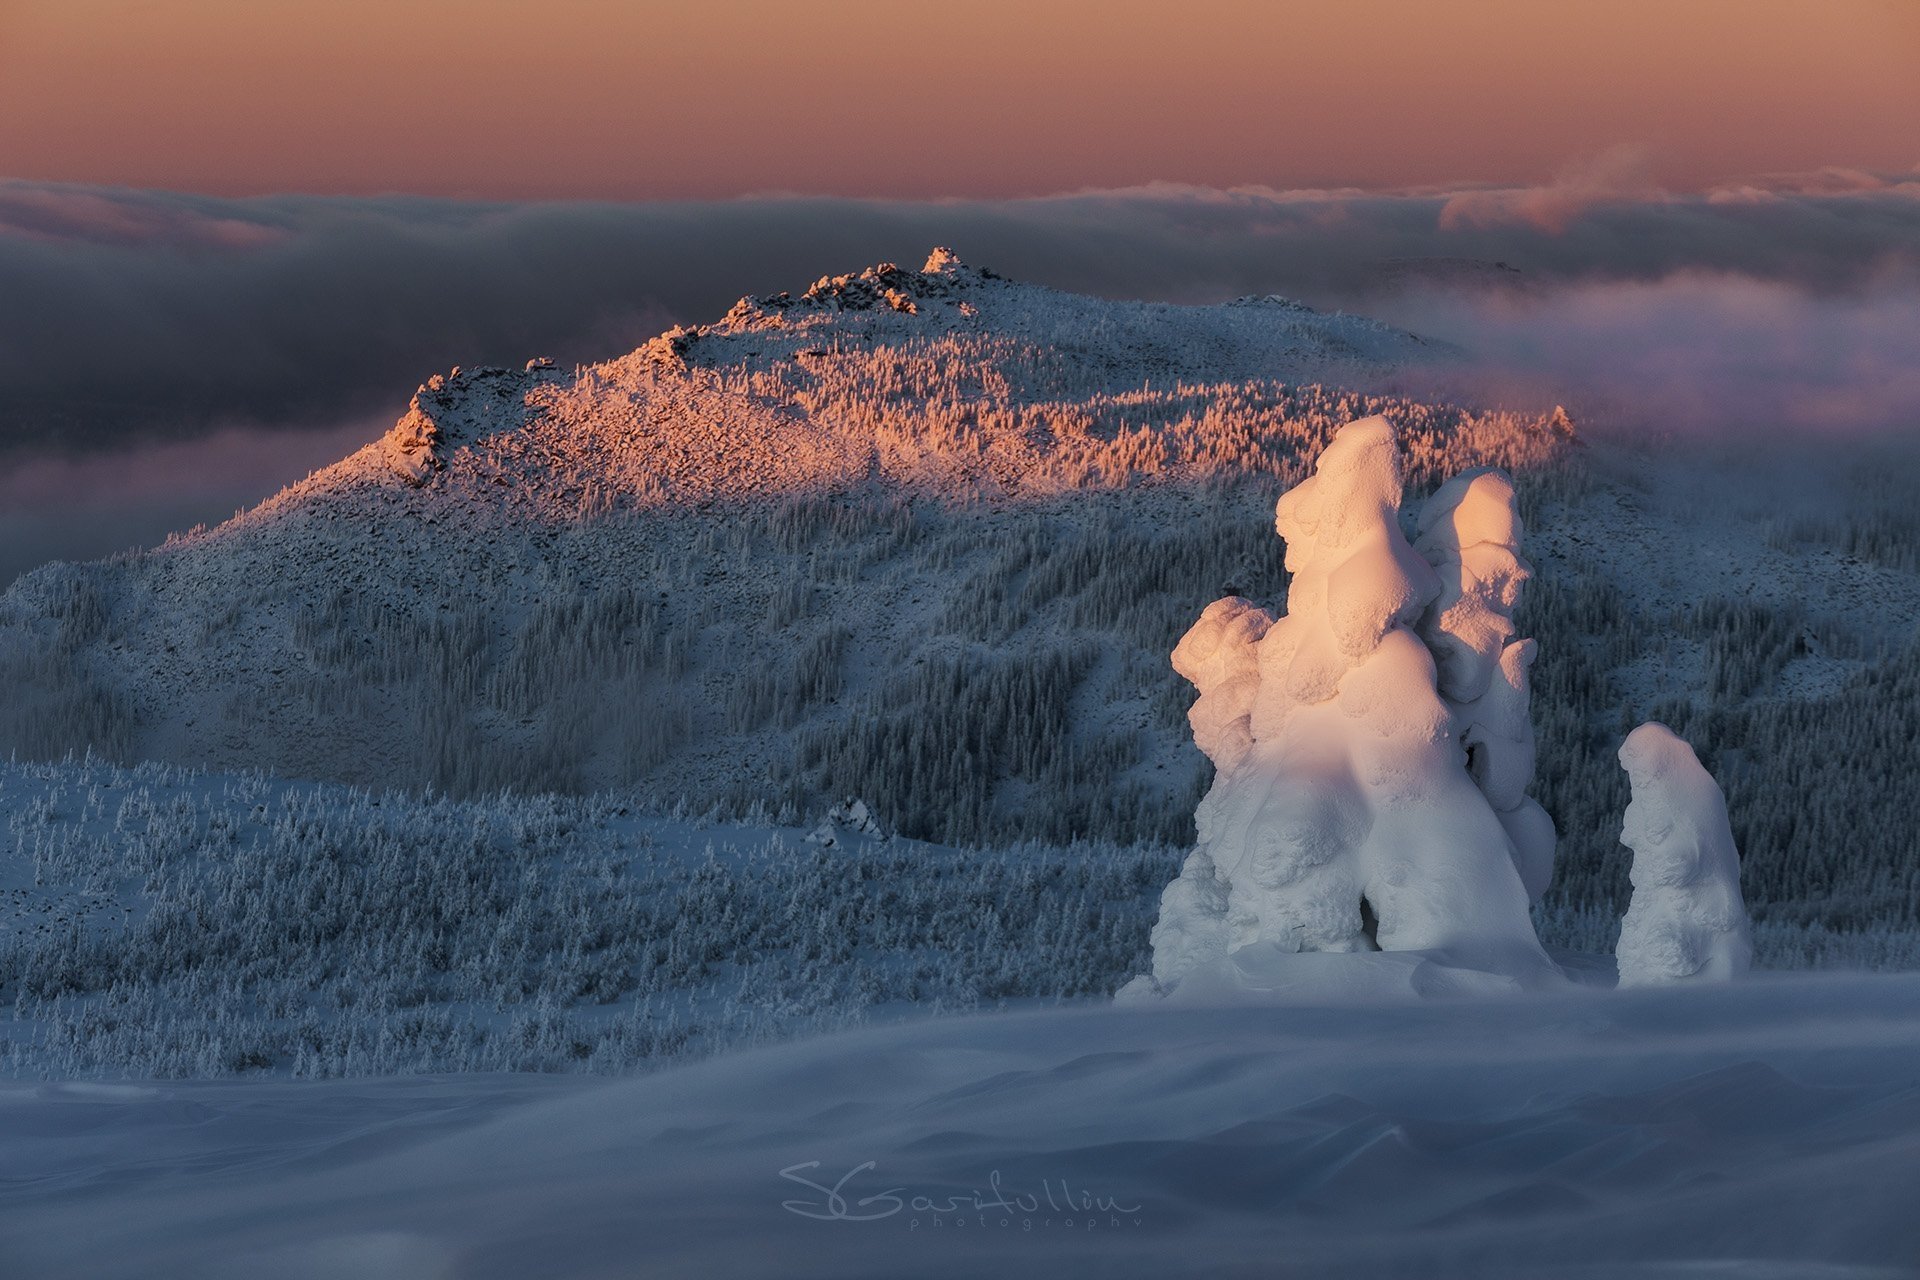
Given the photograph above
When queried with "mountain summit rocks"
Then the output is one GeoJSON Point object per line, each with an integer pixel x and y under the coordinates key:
{"type": "Point", "coordinates": [459, 408]}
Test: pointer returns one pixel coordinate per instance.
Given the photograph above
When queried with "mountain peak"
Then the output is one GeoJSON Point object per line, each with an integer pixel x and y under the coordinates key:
{"type": "Point", "coordinates": [945, 378]}
{"type": "Point", "coordinates": [578, 545]}
{"type": "Point", "coordinates": [943, 261]}
{"type": "Point", "coordinates": [886, 286]}
{"type": "Point", "coordinates": [454, 409]}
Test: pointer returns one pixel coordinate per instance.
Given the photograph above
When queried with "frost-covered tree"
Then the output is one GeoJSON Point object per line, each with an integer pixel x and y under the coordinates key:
{"type": "Point", "coordinates": [1470, 532]}
{"type": "Point", "coordinates": [1343, 817]}
{"type": "Point", "coordinates": [1687, 919]}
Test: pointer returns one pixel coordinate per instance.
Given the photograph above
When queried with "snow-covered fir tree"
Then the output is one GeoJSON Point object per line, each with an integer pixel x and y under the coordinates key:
{"type": "Point", "coordinates": [1687, 920]}
{"type": "Point", "coordinates": [1344, 817]}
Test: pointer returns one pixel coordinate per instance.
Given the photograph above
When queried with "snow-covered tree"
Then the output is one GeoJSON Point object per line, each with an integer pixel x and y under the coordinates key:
{"type": "Point", "coordinates": [1344, 817]}
{"type": "Point", "coordinates": [1687, 919]}
{"type": "Point", "coordinates": [1470, 532]}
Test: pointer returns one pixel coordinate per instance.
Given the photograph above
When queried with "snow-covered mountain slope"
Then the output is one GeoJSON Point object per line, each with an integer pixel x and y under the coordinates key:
{"type": "Point", "coordinates": [948, 380]}
{"type": "Point", "coordinates": [1768, 1128]}
{"type": "Point", "coordinates": [926, 537]}
{"type": "Point", "coordinates": [658, 568]}
{"type": "Point", "coordinates": [159, 922]}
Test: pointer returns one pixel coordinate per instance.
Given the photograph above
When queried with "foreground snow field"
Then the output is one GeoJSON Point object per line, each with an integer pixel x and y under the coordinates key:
{"type": "Point", "coordinates": [1766, 1128]}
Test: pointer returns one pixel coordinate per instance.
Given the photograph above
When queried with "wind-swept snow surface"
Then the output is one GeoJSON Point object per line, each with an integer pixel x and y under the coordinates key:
{"type": "Point", "coordinates": [1687, 919]}
{"type": "Point", "coordinates": [1760, 1129]}
{"type": "Point", "coordinates": [1365, 802]}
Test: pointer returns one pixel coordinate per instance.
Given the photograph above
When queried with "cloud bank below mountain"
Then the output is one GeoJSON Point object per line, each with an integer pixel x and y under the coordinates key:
{"type": "Point", "coordinates": [139, 318]}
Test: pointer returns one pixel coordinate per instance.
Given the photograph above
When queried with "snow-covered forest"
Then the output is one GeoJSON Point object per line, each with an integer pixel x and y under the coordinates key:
{"type": "Point", "coordinates": [880, 735]}
{"type": "Point", "coordinates": [571, 665]}
{"type": "Point", "coordinates": [156, 921]}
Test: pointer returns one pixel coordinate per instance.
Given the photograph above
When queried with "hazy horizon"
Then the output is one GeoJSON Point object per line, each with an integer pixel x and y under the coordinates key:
{"type": "Point", "coordinates": [1713, 209]}
{"type": "Point", "coordinates": [172, 357]}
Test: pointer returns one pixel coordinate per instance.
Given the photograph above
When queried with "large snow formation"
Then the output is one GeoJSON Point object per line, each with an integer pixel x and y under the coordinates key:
{"type": "Point", "coordinates": [1687, 919]}
{"type": "Point", "coordinates": [1372, 750]}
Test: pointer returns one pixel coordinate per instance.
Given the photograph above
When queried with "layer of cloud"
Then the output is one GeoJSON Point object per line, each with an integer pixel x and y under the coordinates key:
{"type": "Point", "coordinates": [1620, 175]}
{"type": "Point", "coordinates": [143, 314]}
{"type": "Point", "coordinates": [146, 337]}
{"type": "Point", "coordinates": [81, 506]}
{"type": "Point", "coordinates": [1693, 354]}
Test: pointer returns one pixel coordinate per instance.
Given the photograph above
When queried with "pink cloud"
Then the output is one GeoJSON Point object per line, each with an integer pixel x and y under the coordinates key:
{"type": "Point", "coordinates": [63, 214]}
{"type": "Point", "coordinates": [1621, 173]}
{"type": "Point", "coordinates": [1695, 353]}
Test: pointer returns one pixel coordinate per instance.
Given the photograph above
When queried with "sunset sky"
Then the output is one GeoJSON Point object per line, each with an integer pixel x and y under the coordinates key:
{"type": "Point", "coordinates": [987, 98]}
{"type": "Point", "coordinates": [235, 234]}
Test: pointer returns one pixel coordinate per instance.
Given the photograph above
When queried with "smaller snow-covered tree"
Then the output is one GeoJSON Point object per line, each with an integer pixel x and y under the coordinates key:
{"type": "Point", "coordinates": [1687, 919]}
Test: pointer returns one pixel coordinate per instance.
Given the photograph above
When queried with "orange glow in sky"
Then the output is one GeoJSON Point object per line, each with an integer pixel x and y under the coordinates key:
{"type": "Point", "coordinates": [638, 99]}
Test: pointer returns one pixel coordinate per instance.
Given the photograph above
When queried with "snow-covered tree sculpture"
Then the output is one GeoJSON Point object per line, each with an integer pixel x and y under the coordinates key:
{"type": "Point", "coordinates": [1365, 800]}
{"type": "Point", "coordinates": [1469, 531]}
{"type": "Point", "coordinates": [1687, 919]}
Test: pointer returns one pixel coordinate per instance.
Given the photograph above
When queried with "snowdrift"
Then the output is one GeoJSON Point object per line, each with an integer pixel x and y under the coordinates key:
{"type": "Point", "coordinates": [1770, 1128]}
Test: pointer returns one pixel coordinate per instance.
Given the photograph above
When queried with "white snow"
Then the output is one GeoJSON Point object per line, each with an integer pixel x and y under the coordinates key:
{"type": "Point", "coordinates": [1763, 1129]}
{"type": "Point", "coordinates": [1470, 534]}
{"type": "Point", "coordinates": [1344, 816]}
{"type": "Point", "coordinates": [1218, 656]}
{"type": "Point", "coordinates": [1687, 919]}
{"type": "Point", "coordinates": [849, 817]}
{"type": "Point", "coordinates": [856, 456]}
{"type": "Point", "coordinates": [543, 543]}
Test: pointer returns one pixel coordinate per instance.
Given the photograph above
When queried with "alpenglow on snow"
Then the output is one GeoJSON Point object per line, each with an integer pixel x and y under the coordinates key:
{"type": "Point", "coordinates": [1372, 750]}
{"type": "Point", "coordinates": [1372, 746]}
